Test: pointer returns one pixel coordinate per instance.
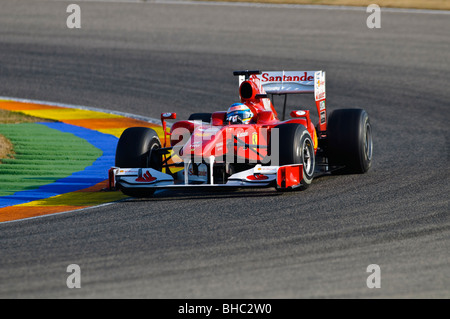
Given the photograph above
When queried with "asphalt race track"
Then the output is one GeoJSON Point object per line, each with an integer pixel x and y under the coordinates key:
{"type": "Point", "coordinates": [146, 58]}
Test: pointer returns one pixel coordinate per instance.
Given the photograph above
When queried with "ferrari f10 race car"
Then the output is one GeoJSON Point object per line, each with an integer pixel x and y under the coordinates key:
{"type": "Point", "coordinates": [248, 145]}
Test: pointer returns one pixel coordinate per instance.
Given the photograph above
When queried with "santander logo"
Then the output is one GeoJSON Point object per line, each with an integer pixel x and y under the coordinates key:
{"type": "Point", "coordinates": [277, 77]}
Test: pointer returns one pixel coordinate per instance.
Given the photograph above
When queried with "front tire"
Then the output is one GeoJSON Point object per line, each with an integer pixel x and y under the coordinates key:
{"type": "Point", "coordinates": [138, 148]}
{"type": "Point", "coordinates": [296, 146]}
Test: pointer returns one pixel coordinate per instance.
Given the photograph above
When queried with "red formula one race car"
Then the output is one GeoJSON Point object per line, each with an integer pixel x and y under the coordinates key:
{"type": "Point", "coordinates": [247, 145]}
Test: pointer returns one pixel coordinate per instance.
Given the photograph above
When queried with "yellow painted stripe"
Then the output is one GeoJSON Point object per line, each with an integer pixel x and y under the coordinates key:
{"type": "Point", "coordinates": [69, 114]}
{"type": "Point", "coordinates": [113, 131]}
{"type": "Point", "coordinates": [118, 131]}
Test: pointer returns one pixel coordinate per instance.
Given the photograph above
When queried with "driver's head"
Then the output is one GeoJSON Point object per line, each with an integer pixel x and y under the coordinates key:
{"type": "Point", "coordinates": [239, 113]}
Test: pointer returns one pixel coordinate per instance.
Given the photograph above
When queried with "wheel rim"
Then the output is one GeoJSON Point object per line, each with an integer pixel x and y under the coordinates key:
{"type": "Point", "coordinates": [307, 157]}
{"type": "Point", "coordinates": [368, 145]}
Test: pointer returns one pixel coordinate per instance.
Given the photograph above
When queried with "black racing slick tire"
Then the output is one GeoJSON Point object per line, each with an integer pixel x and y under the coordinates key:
{"type": "Point", "coordinates": [350, 144]}
{"type": "Point", "coordinates": [204, 117]}
{"type": "Point", "coordinates": [296, 146]}
{"type": "Point", "coordinates": [137, 148]}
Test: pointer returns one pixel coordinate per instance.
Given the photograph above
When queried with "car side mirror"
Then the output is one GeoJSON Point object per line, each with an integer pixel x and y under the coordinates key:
{"type": "Point", "coordinates": [164, 117]}
{"type": "Point", "coordinates": [168, 116]}
{"type": "Point", "coordinates": [301, 113]}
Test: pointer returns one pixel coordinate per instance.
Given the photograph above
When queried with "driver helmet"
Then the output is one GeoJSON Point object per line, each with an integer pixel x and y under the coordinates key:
{"type": "Point", "coordinates": [239, 113]}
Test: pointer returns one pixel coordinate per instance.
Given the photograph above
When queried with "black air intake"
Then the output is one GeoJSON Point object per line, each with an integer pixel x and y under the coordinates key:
{"type": "Point", "coordinates": [246, 90]}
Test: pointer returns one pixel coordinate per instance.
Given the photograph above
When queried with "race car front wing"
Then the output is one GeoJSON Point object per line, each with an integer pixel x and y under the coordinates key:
{"type": "Point", "coordinates": [280, 177]}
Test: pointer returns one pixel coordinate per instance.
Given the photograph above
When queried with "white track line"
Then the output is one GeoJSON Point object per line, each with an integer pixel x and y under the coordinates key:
{"type": "Point", "coordinates": [60, 213]}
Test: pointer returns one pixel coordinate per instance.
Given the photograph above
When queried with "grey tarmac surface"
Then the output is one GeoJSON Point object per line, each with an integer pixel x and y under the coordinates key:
{"type": "Point", "coordinates": [146, 58]}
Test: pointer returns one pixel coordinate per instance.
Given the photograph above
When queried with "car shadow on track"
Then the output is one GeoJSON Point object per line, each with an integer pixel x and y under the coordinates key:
{"type": "Point", "coordinates": [171, 195]}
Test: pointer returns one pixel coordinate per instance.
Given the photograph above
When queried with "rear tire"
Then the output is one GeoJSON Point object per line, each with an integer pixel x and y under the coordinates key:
{"type": "Point", "coordinates": [297, 147]}
{"type": "Point", "coordinates": [350, 142]}
{"type": "Point", "coordinates": [137, 148]}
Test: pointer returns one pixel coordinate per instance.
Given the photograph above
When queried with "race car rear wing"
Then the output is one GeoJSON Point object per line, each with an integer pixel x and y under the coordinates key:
{"type": "Point", "coordinates": [288, 82]}
{"type": "Point", "coordinates": [292, 82]}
